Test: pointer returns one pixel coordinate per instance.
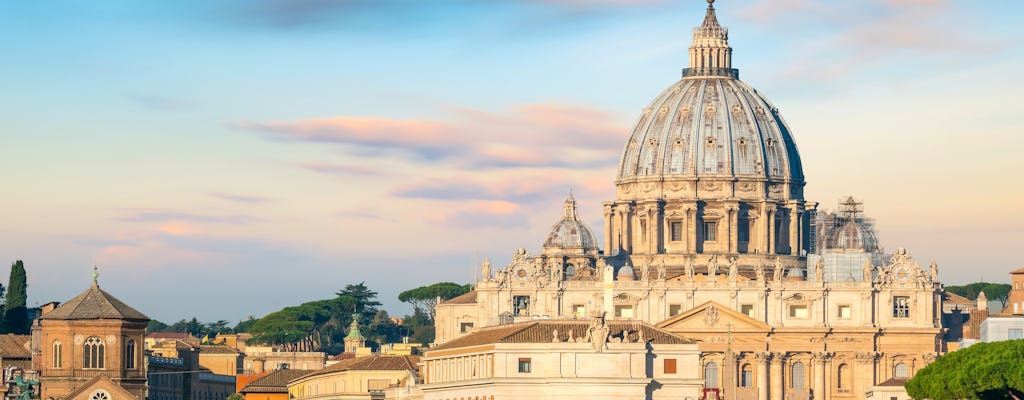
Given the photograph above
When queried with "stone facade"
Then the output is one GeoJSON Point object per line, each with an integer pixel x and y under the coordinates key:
{"type": "Point", "coordinates": [709, 237]}
{"type": "Point", "coordinates": [563, 360]}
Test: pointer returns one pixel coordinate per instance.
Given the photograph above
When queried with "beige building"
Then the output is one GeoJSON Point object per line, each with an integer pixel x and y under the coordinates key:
{"type": "Point", "coordinates": [564, 359]}
{"type": "Point", "coordinates": [221, 360]}
{"type": "Point", "coordinates": [360, 378]}
{"type": "Point", "coordinates": [709, 236]}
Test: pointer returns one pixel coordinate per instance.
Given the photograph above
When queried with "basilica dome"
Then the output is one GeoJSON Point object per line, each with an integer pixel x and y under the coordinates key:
{"type": "Point", "coordinates": [711, 125]}
{"type": "Point", "coordinates": [570, 235]}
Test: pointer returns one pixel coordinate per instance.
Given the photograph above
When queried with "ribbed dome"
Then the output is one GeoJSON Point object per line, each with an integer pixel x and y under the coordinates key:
{"type": "Point", "coordinates": [711, 124]}
{"type": "Point", "coordinates": [853, 236]}
{"type": "Point", "coordinates": [570, 235]}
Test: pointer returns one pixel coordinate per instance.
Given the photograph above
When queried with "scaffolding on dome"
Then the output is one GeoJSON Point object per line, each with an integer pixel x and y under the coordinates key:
{"type": "Point", "coordinates": [843, 240]}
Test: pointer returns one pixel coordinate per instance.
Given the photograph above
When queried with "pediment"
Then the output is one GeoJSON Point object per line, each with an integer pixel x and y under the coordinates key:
{"type": "Point", "coordinates": [714, 317]}
{"type": "Point", "coordinates": [100, 383]}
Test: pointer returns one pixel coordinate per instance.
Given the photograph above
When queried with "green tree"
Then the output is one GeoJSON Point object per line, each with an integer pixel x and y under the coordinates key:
{"type": "Point", "coordinates": [243, 326]}
{"type": "Point", "coordinates": [365, 299]}
{"type": "Point", "coordinates": [419, 327]}
{"type": "Point", "coordinates": [235, 396]}
{"type": "Point", "coordinates": [982, 371]}
{"type": "Point", "coordinates": [993, 291]}
{"type": "Point", "coordinates": [156, 326]}
{"type": "Point", "coordinates": [15, 313]}
{"type": "Point", "coordinates": [424, 298]}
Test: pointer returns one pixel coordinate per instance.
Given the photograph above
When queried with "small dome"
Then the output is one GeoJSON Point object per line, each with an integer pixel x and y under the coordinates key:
{"type": "Point", "coordinates": [853, 236]}
{"type": "Point", "coordinates": [570, 235]}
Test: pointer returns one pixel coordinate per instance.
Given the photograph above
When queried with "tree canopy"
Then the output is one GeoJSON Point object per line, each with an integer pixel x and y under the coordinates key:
{"type": "Point", "coordinates": [424, 298]}
{"type": "Point", "coordinates": [982, 371]}
{"type": "Point", "coordinates": [993, 291]}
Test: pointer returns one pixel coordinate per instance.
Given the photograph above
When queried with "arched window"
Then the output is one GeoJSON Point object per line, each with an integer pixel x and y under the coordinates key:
{"type": "Point", "coordinates": [570, 271]}
{"type": "Point", "coordinates": [94, 353]}
{"type": "Point", "coordinates": [57, 357]}
{"type": "Point", "coordinates": [129, 354]}
{"type": "Point", "coordinates": [798, 375]}
{"type": "Point", "coordinates": [900, 371]}
{"type": "Point", "coordinates": [710, 375]}
{"type": "Point", "coordinates": [99, 395]}
{"type": "Point", "coordinates": [746, 376]}
{"type": "Point", "coordinates": [843, 377]}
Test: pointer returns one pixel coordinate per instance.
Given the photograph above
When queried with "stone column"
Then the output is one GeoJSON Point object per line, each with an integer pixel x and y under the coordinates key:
{"type": "Point", "coordinates": [776, 375]}
{"type": "Point", "coordinates": [691, 229]}
{"type": "Point", "coordinates": [771, 230]}
{"type": "Point", "coordinates": [733, 234]}
{"type": "Point", "coordinates": [609, 224]}
{"type": "Point", "coordinates": [761, 361]}
{"type": "Point", "coordinates": [794, 229]}
{"type": "Point", "coordinates": [819, 360]}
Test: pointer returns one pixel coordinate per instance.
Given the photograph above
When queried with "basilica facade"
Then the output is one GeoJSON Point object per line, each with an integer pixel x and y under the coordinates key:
{"type": "Point", "coordinates": [710, 237]}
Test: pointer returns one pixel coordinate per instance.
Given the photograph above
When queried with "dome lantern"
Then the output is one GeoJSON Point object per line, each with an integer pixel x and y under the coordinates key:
{"type": "Point", "coordinates": [710, 54]}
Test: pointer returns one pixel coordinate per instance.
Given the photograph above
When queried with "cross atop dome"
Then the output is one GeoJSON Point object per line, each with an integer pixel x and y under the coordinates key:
{"type": "Point", "coordinates": [710, 54]}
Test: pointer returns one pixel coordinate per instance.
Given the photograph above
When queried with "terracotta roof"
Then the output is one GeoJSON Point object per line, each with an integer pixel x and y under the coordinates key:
{"type": "Point", "coordinates": [894, 382]}
{"type": "Point", "coordinates": [217, 350]}
{"type": "Point", "coordinates": [957, 299]}
{"type": "Point", "coordinates": [375, 362]}
{"type": "Point", "coordinates": [543, 331]}
{"type": "Point", "coordinates": [15, 346]}
{"type": "Point", "coordinates": [94, 304]}
{"type": "Point", "coordinates": [468, 298]}
{"type": "Point", "coordinates": [343, 356]}
{"type": "Point", "coordinates": [276, 382]}
{"type": "Point", "coordinates": [170, 335]}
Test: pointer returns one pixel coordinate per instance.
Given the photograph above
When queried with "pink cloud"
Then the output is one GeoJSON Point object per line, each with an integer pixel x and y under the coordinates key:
{"type": "Point", "coordinates": [531, 135]}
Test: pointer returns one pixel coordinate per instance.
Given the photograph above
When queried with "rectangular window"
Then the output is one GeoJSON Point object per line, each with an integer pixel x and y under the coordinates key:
{"type": "Point", "coordinates": [643, 230]}
{"type": "Point", "coordinates": [674, 309]}
{"type": "Point", "coordinates": [1015, 334]}
{"type": "Point", "coordinates": [670, 365]}
{"type": "Point", "coordinates": [465, 327]}
{"type": "Point", "coordinates": [710, 231]}
{"type": "Point", "coordinates": [677, 230]}
{"type": "Point", "coordinates": [844, 312]}
{"type": "Point", "coordinates": [525, 365]}
{"type": "Point", "coordinates": [901, 307]}
{"type": "Point", "coordinates": [624, 311]}
{"type": "Point", "coordinates": [796, 311]}
{"type": "Point", "coordinates": [747, 309]}
{"type": "Point", "coordinates": [579, 311]}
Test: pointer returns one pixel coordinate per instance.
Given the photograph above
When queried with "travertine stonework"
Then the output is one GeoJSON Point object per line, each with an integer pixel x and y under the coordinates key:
{"type": "Point", "coordinates": [708, 238]}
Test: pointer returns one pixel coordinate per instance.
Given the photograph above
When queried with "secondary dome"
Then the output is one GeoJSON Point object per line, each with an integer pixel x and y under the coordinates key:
{"type": "Point", "coordinates": [710, 124]}
{"type": "Point", "coordinates": [570, 235]}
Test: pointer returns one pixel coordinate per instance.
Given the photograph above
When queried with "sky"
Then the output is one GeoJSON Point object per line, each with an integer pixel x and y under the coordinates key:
{"type": "Point", "coordinates": [227, 158]}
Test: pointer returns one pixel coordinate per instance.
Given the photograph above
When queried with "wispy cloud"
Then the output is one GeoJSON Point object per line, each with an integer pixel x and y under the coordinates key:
{"type": "Point", "coordinates": [482, 215]}
{"type": "Point", "coordinates": [239, 198]}
{"type": "Point", "coordinates": [342, 169]}
{"type": "Point", "coordinates": [174, 215]}
{"type": "Point", "coordinates": [530, 135]}
{"type": "Point", "coordinates": [845, 38]}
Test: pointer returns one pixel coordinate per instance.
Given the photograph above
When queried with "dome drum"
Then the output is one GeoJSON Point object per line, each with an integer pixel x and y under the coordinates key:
{"type": "Point", "coordinates": [645, 188]}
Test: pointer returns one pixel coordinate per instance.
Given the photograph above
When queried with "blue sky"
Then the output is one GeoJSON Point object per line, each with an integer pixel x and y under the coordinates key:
{"type": "Point", "coordinates": [221, 159]}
